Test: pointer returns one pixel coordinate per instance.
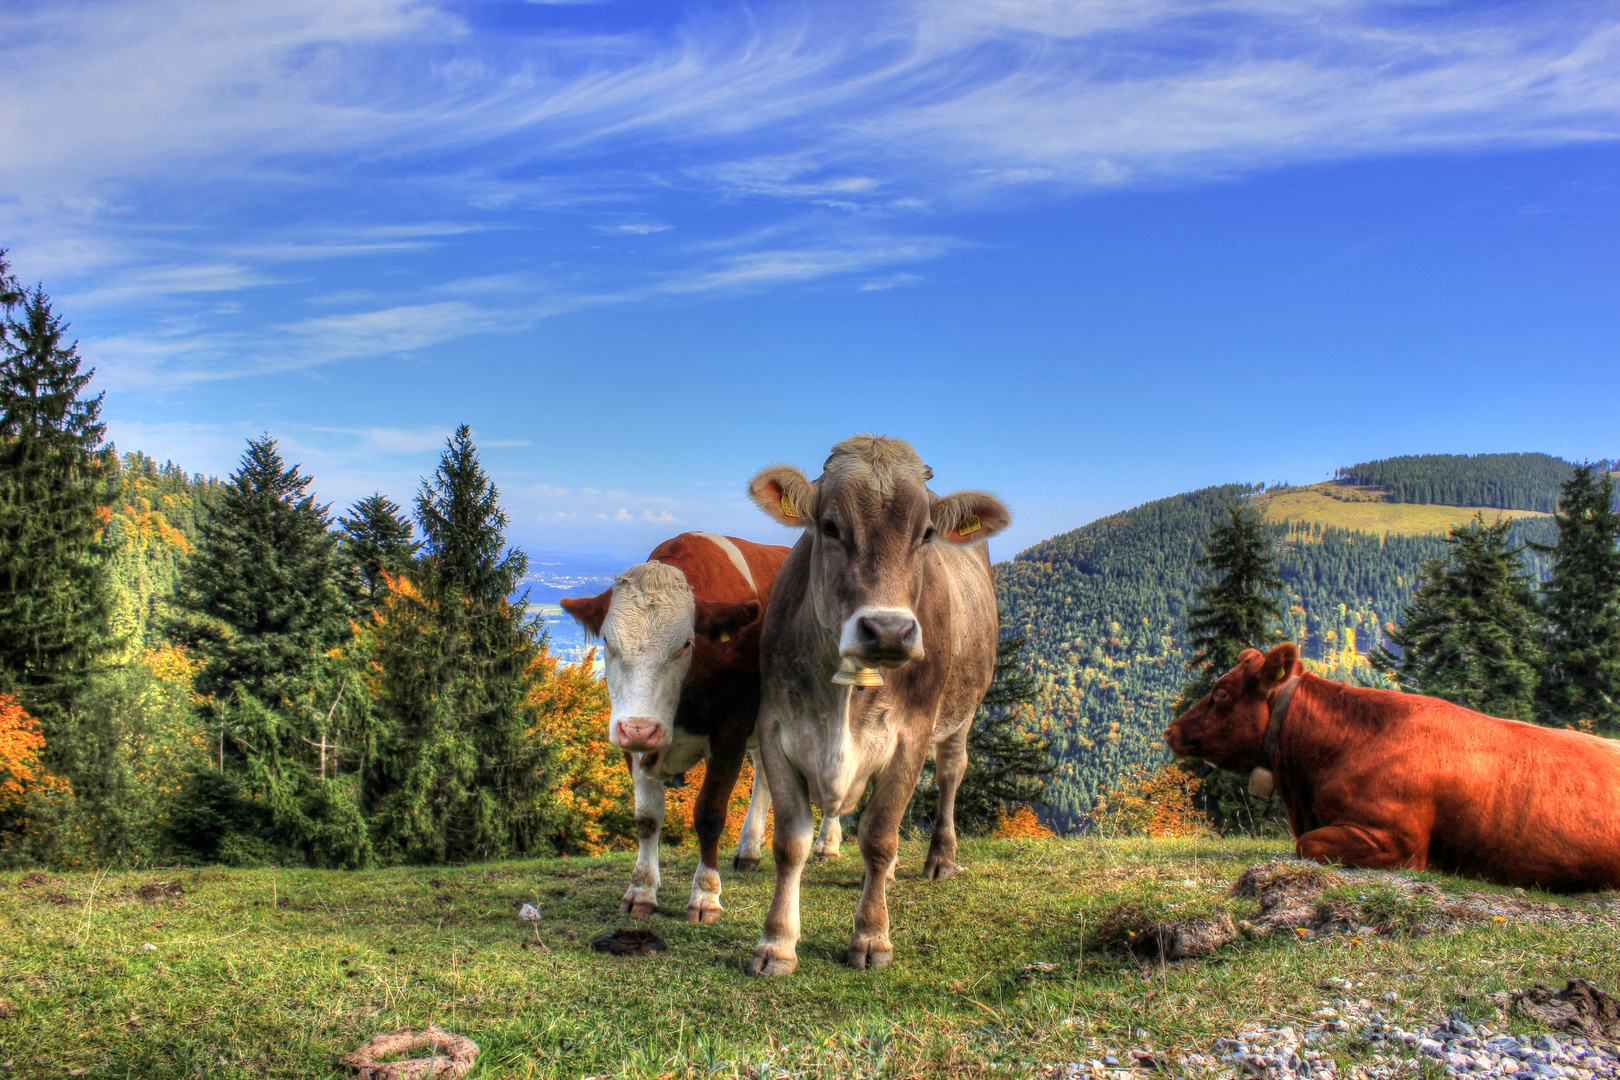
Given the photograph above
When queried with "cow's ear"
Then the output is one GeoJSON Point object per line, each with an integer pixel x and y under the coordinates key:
{"type": "Point", "coordinates": [966, 517]}
{"type": "Point", "coordinates": [591, 611]}
{"type": "Point", "coordinates": [1280, 664]}
{"type": "Point", "coordinates": [719, 621]}
{"type": "Point", "coordinates": [783, 492]}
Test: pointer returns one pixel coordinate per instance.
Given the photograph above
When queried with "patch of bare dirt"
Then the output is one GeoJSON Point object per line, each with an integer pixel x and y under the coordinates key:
{"type": "Point", "coordinates": [1578, 1009]}
{"type": "Point", "coordinates": [155, 892]}
{"type": "Point", "coordinates": [34, 879]}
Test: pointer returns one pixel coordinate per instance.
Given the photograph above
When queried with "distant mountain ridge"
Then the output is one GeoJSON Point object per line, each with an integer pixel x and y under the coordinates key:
{"type": "Point", "coordinates": [1104, 609]}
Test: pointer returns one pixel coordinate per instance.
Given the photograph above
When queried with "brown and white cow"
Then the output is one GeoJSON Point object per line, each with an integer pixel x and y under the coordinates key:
{"type": "Point", "coordinates": [892, 580]}
{"type": "Point", "coordinates": [681, 636]}
{"type": "Point", "coordinates": [1387, 780]}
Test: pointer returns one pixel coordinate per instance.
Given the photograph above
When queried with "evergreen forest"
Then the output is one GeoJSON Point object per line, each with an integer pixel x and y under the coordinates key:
{"type": "Point", "coordinates": [1104, 612]}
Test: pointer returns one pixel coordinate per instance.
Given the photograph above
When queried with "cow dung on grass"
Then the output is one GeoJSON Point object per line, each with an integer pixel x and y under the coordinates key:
{"type": "Point", "coordinates": [628, 943]}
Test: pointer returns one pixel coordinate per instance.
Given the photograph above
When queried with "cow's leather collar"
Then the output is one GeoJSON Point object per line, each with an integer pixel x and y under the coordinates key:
{"type": "Point", "coordinates": [1279, 713]}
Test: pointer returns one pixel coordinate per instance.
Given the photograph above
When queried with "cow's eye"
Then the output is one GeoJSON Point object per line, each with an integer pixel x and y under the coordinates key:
{"type": "Point", "coordinates": [1221, 695]}
{"type": "Point", "coordinates": [928, 534]}
{"type": "Point", "coordinates": [829, 529]}
{"type": "Point", "coordinates": [684, 649]}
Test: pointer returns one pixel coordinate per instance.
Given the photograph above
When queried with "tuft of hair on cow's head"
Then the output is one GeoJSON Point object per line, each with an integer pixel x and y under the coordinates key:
{"type": "Point", "coordinates": [969, 517]}
{"type": "Point", "coordinates": [783, 492]}
{"type": "Point", "coordinates": [719, 621]}
{"type": "Point", "coordinates": [591, 611]}
{"type": "Point", "coordinates": [1227, 726]}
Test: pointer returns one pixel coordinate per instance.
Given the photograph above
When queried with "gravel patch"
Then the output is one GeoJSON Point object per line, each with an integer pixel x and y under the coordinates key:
{"type": "Point", "coordinates": [1454, 1046]}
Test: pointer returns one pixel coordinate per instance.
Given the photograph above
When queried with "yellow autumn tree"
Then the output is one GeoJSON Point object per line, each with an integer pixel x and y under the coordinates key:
{"type": "Point", "coordinates": [593, 791]}
{"type": "Point", "coordinates": [1023, 825]}
{"type": "Point", "coordinates": [1148, 802]}
{"type": "Point", "coordinates": [21, 742]}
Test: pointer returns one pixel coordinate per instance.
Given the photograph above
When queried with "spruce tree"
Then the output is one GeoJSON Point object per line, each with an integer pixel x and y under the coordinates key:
{"type": "Point", "coordinates": [53, 471]}
{"type": "Point", "coordinates": [1237, 610]}
{"type": "Point", "coordinates": [460, 772]}
{"type": "Point", "coordinates": [261, 593]}
{"type": "Point", "coordinates": [376, 542]}
{"type": "Point", "coordinates": [1472, 634]}
{"type": "Point", "coordinates": [1580, 681]}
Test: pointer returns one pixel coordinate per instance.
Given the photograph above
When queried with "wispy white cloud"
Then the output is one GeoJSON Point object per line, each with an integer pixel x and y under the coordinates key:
{"type": "Point", "coordinates": [175, 151]}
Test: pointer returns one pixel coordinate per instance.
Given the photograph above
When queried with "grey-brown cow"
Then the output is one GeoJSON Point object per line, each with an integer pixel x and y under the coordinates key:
{"type": "Point", "coordinates": [887, 576]}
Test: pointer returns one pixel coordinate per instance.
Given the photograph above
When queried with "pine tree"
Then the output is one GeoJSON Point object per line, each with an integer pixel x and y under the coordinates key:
{"type": "Point", "coordinates": [462, 772]}
{"type": "Point", "coordinates": [1580, 682]}
{"type": "Point", "coordinates": [1234, 612]}
{"type": "Point", "coordinates": [261, 591]}
{"type": "Point", "coordinates": [53, 470]}
{"type": "Point", "coordinates": [376, 544]}
{"type": "Point", "coordinates": [1472, 634]}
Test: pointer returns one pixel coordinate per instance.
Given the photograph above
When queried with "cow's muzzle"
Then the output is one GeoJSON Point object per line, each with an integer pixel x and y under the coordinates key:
{"type": "Point", "coordinates": [882, 637]}
{"type": "Point", "coordinates": [637, 733]}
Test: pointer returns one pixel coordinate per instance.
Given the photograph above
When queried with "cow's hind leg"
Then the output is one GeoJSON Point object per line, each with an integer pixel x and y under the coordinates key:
{"type": "Point", "coordinates": [751, 842]}
{"type": "Point", "coordinates": [709, 821]}
{"type": "Point", "coordinates": [777, 951]}
{"type": "Point", "coordinates": [950, 765]}
{"type": "Point", "coordinates": [869, 946]}
{"type": "Point", "coordinates": [641, 898]}
{"type": "Point", "coordinates": [1357, 845]}
{"type": "Point", "coordinates": [831, 837]}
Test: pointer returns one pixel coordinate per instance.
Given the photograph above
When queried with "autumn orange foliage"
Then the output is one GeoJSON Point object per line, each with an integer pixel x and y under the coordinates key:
{"type": "Point", "coordinates": [21, 741]}
{"type": "Point", "coordinates": [594, 790]}
{"type": "Point", "coordinates": [1023, 825]}
{"type": "Point", "coordinates": [1152, 803]}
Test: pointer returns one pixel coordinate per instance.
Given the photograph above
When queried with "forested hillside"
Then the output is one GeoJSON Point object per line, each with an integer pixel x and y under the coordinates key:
{"type": "Point", "coordinates": [1104, 608]}
{"type": "Point", "coordinates": [151, 528]}
{"type": "Point", "coordinates": [1504, 481]}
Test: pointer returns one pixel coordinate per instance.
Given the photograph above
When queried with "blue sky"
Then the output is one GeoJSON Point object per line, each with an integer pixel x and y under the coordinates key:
{"type": "Point", "coordinates": [1083, 255]}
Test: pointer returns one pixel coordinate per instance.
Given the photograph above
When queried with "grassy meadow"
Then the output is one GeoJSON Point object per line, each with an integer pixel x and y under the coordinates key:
{"type": "Point", "coordinates": [1314, 505]}
{"type": "Point", "coordinates": [277, 972]}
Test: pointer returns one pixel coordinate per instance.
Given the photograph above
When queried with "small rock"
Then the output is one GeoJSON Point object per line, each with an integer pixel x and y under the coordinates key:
{"type": "Point", "coordinates": [149, 947]}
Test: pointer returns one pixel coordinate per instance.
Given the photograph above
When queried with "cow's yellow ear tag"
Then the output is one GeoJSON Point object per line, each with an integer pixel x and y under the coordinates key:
{"type": "Point", "coordinates": [968, 524]}
{"type": "Point", "coordinates": [788, 509]}
{"type": "Point", "coordinates": [725, 636]}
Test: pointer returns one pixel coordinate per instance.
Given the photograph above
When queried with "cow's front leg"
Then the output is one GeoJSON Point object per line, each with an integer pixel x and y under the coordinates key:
{"type": "Point", "coordinates": [1357, 845]}
{"type": "Point", "coordinates": [831, 837]}
{"type": "Point", "coordinates": [752, 840]}
{"type": "Point", "coordinates": [777, 951]}
{"type": "Point", "coordinates": [880, 845]}
{"type": "Point", "coordinates": [950, 765]}
{"type": "Point", "coordinates": [641, 898]}
{"type": "Point", "coordinates": [709, 821]}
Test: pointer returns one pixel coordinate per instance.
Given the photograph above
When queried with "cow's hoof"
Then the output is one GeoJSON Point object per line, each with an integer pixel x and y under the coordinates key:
{"type": "Point", "coordinates": [638, 909]}
{"type": "Point", "coordinates": [704, 914]}
{"type": "Point", "coordinates": [873, 955]}
{"type": "Point", "coordinates": [771, 965]}
{"type": "Point", "coordinates": [741, 862]}
{"type": "Point", "coordinates": [940, 869]}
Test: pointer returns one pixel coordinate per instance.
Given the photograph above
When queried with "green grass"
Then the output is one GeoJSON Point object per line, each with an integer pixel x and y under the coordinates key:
{"type": "Point", "coordinates": [276, 972]}
{"type": "Point", "coordinates": [1313, 504]}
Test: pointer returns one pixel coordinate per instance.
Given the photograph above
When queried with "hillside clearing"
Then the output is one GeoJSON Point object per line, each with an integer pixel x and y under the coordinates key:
{"type": "Point", "coordinates": [277, 972]}
{"type": "Point", "coordinates": [1314, 505]}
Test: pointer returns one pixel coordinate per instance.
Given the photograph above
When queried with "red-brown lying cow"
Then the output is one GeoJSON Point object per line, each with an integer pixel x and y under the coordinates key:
{"type": "Point", "coordinates": [1387, 780]}
{"type": "Point", "coordinates": [682, 655]}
